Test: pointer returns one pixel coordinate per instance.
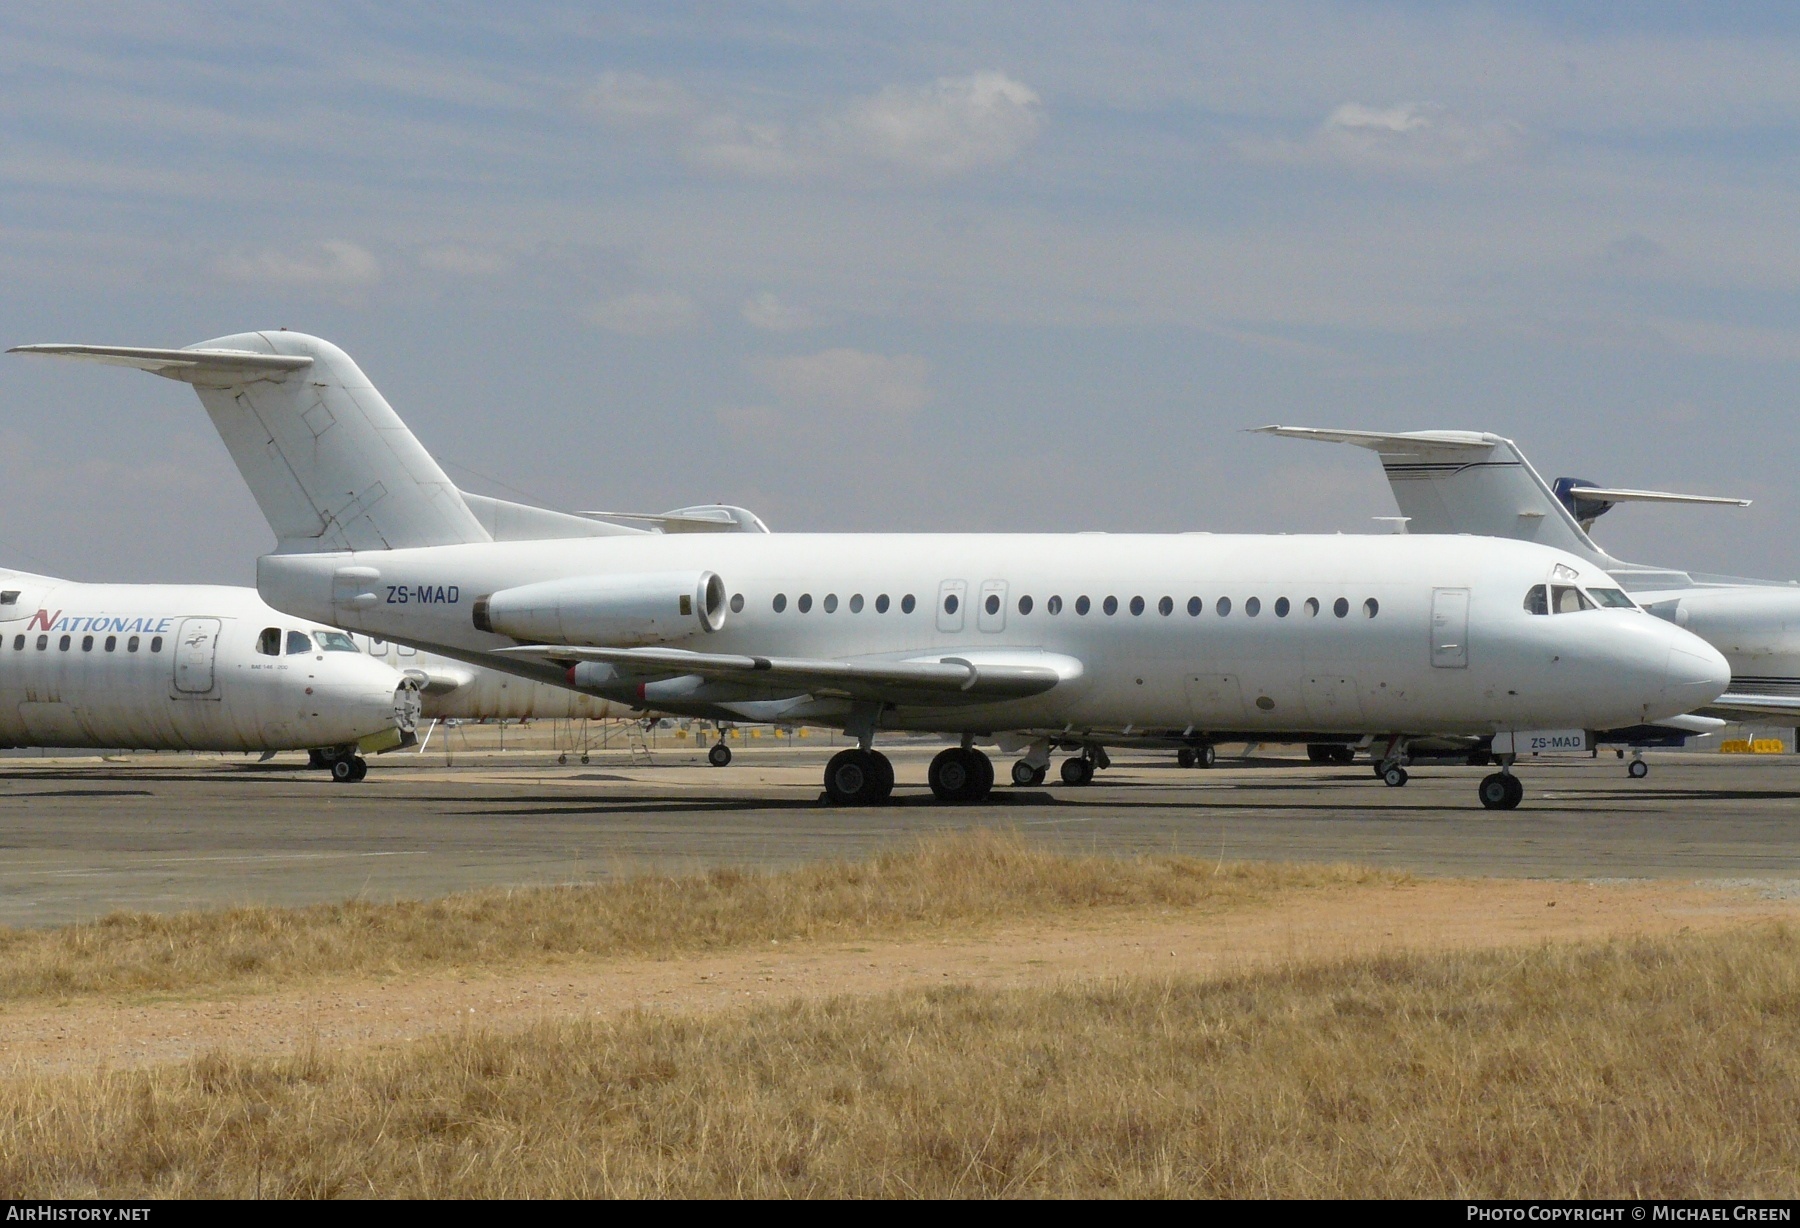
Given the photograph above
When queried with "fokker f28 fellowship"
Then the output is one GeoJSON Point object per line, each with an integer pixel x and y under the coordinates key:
{"type": "Point", "coordinates": [1037, 642]}
{"type": "Point", "coordinates": [188, 667]}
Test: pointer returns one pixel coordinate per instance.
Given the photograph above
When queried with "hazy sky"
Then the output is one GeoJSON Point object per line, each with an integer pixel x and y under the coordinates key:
{"type": "Point", "coordinates": [911, 266]}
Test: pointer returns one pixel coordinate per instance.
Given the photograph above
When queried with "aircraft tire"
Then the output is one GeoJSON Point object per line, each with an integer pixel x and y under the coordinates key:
{"type": "Point", "coordinates": [343, 770]}
{"type": "Point", "coordinates": [1501, 791]}
{"type": "Point", "coordinates": [852, 778]}
{"type": "Point", "coordinates": [884, 770]}
{"type": "Point", "coordinates": [1205, 756]}
{"type": "Point", "coordinates": [719, 755]}
{"type": "Point", "coordinates": [1185, 757]}
{"type": "Point", "coordinates": [984, 774]}
{"type": "Point", "coordinates": [1394, 777]}
{"type": "Point", "coordinates": [1637, 769]}
{"type": "Point", "coordinates": [1077, 771]}
{"type": "Point", "coordinates": [1026, 773]}
{"type": "Point", "coordinates": [959, 775]}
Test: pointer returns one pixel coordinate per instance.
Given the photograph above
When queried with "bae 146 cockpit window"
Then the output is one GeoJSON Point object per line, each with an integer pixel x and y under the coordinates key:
{"type": "Point", "coordinates": [10, 596]}
{"type": "Point", "coordinates": [298, 642]}
{"type": "Point", "coordinates": [1612, 598]}
{"type": "Point", "coordinates": [334, 641]}
{"type": "Point", "coordinates": [269, 642]}
{"type": "Point", "coordinates": [1537, 601]}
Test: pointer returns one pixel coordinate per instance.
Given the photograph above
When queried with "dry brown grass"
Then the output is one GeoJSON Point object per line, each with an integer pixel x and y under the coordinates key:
{"type": "Point", "coordinates": [948, 882]}
{"type": "Point", "coordinates": [1641, 1068]}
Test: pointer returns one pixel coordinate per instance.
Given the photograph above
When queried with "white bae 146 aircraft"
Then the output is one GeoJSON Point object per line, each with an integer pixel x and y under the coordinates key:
{"type": "Point", "coordinates": [1034, 641]}
{"type": "Point", "coordinates": [188, 667]}
{"type": "Point", "coordinates": [1476, 482]}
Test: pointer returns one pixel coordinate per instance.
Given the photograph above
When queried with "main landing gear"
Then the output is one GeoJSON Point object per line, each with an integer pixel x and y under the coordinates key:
{"type": "Point", "coordinates": [346, 766]}
{"type": "Point", "coordinates": [1501, 791]}
{"type": "Point", "coordinates": [961, 774]}
{"type": "Point", "coordinates": [1202, 756]}
{"type": "Point", "coordinates": [858, 777]}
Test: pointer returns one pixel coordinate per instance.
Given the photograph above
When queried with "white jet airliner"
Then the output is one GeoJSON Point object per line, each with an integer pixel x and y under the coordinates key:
{"type": "Point", "coordinates": [1044, 641]}
{"type": "Point", "coordinates": [188, 667]}
{"type": "Point", "coordinates": [1475, 482]}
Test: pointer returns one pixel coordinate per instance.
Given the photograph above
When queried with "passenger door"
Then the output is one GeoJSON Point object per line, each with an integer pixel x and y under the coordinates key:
{"type": "Point", "coordinates": [1450, 628]}
{"type": "Point", "coordinates": [196, 649]}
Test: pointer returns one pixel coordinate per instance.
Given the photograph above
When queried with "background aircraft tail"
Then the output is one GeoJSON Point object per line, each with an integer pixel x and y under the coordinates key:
{"type": "Point", "coordinates": [328, 460]}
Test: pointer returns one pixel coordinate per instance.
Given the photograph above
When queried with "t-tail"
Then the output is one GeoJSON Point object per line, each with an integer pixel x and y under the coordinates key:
{"type": "Point", "coordinates": [328, 460]}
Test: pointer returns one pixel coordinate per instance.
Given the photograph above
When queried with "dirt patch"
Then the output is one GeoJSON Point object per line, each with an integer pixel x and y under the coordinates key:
{"type": "Point", "coordinates": [357, 1012]}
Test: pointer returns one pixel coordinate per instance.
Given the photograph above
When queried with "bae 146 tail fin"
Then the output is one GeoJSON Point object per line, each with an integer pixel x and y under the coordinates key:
{"type": "Point", "coordinates": [328, 460]}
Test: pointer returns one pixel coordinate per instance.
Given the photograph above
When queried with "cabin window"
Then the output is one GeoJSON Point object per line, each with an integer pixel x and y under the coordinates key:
{"type": "Point", "coordinates": [992, 604]}
{"type": "Point", "coordinates": [1312, 607]}
{"type": "Point", "coordinates": [10, 596]}
{"type": "Point", "coordinates": [950, 603]}
{"type": "Point", "coordinates": [804, 605]}
{"type": "Point", "coordinates": [112, 642]}
{"type": "Point", "coordinates": [1341, 607]}
{"type": "Point", "coordinates": [830, 603]}
{"type": "Point", "coordinates": [907, 604]}
{"type": "Point", "coordinates": [1281, 607]}
{"type": "Point", "coordinates": [1371, 607]}
{"type": "Point", "coordinates": [1224, 606]}
{"type": "Point", "coordinates": [1166, 606]}
{"type": "Point", "coordinates": [131, 645]}
{"type": "Point", "coordinates": [269, 642]}
{"type": "Point", "coordinates": [335, 641]}
{"type": "Point", "coordinates": [1054, 605]}
{"type": "Point", "coordinates": [1025, 605]}
{"type": "Point", "coordinates": [156, 643]}
{"type": "Point", "coordinates": [881, 604]}
{"type": "Point", "coordinates": [1253, 606]}
{"type": "Point", "coordinates": [737, 603]}
{"type": "Point", "coordinates": [1110, 605]}
{"type": "Point", "coordinates": [780, 602]}
{"type": "Point", "coordinates": [18, 643]}
{"type": "Point", "coordinates": [1195, 605]}
{"type": "Point", "coordinates": [1612, 598]}
{"type": "Point", "coordinates": [1083, 605]}
{"type": "Point", "coordinates": [62, 645]}
{"type": "Point", "coordinates": [298, 642]}
{"type": "Point", "coordinates": [87, 643]}
{"type": "Point", "coordinates": [1137, 606]}
{"type": "Point", "coordinates": [43, 642]}
{"type": "Point", "coordinates": [406, 650]}
{"type": "Point", "coordinates": [856, 603]}
{"type": "Point", "coordinates": [1567, 599]}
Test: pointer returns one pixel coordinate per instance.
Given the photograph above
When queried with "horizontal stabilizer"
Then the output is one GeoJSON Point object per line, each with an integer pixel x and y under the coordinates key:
{"type": "Point", "coordinates": [1387, 441]}
{"type": "Point", "coordinates": [175, 364]}
{"type": "Point", "coordinates": [706, 518]}
{"type": "Point", "coordinates": [947, 679]}
{"type": "Point", "coordinates": [1603, 495]}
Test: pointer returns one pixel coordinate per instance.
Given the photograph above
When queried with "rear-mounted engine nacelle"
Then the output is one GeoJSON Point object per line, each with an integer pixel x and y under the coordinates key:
{"type": "Point", "coordinates": [615, 611]}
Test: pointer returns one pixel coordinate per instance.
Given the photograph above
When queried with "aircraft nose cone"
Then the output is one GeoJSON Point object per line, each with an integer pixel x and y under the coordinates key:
{"type": "Point", "coordinates": [1696, 675]}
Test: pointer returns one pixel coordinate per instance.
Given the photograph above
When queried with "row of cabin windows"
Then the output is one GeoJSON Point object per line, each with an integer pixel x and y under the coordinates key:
{"type": "Point", "coordinates": [87, 643]}
{"type": "Point", "coordinates": [1054, 605]}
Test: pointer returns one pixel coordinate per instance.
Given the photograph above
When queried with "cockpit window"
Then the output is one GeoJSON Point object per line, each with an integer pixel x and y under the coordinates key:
{"type": "Point", "coordinates": [1612, 598]}
{"type": "Point", "coordinates": [1567, 599]}
{"type": "Point", "coordinates": [1537, 601]}
{"type": "Point", "coordinates": [298, 642]}
{"type": "Point", "coordinates": [334, 641]}
{"type": "Point", "coordinates": [269, 642]}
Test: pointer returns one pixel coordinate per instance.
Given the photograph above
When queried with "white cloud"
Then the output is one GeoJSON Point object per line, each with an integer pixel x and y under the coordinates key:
{"type": "Point", "coordinates": [649, 313]}
{"type": "Point", "coordinates": [631, 100]}
{"type": "Point", "coordinates": [738, 146]}
{"type": "Point", "coordinates": [334, 264]}
{"type": "Point", "coordinates": [1414, 136]}
{"type": "Point", "coordinates": [466, 261]}
{"type": "Point", "coordinates": [955, 124]}
{"type": "Point", "coordinates": [848, 382]}
{"type": "Point", "coordinates": [767, 312]}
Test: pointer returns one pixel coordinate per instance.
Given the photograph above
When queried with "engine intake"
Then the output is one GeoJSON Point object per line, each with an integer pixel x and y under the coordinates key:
{"type": "Point", "coordinates": [610, 611]}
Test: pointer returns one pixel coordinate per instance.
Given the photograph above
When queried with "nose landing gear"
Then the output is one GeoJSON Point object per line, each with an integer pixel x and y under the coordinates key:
{"type": "Point", "coordinates": [1637, 769]}
{"type": "Point", "coordinates": [347, 769]}
{"type": "Point", "coordinates": [719, 755]}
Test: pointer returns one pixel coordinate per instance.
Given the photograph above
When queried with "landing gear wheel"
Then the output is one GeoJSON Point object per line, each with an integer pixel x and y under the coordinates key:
{"type": "Point", "coordinates": [1077, 771]}
{"type": "Point", "coordinates": [961, 775]}
{"type": "Point", "coordinates": [563, 758]}
{"type": "Point", "coordinates": [1025, 773]}
{"type": "Point", "coordinates": [1637, 769]}
{"type": "Point", "coordinates": [1185, 756]}
{"type": "Point", "coordinates": [1501, 791]}
{"type": "Point", "coordinates": [349, 769]}
{"type": "Point", "coordinates": [719, 755]}
{"type": "Point", "coordinates": [1205, 756]}
{"type": "Point", "coordinates": [1394, 777]}
{"type": "Point", "coordinates": [1344, 754]}
{"type": "Point", "coordinates": [856, 777]}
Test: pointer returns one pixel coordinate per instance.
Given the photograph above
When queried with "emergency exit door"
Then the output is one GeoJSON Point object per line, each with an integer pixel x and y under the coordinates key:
{"type": "Point", "coordinates": [1450, 628]}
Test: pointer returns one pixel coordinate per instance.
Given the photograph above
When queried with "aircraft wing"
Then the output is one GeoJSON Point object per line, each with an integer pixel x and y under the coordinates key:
{"type": "Point", "coordinates": [176, 364]}
{"type": "Point", "coordinates": [1755, 709]}
{"type": "Point", "coordinates": [949, 679]}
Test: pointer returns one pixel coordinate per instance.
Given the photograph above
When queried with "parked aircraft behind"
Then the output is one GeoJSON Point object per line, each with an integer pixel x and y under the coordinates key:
{"type": "Point", "coordinates": [1047, 640]}
{"type": "Point", "coordinates": [188, 667]}
{"type": "Point", "coordinates": [1478, 483]}
{"type": "Point", "coordinates": [452, 690]}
